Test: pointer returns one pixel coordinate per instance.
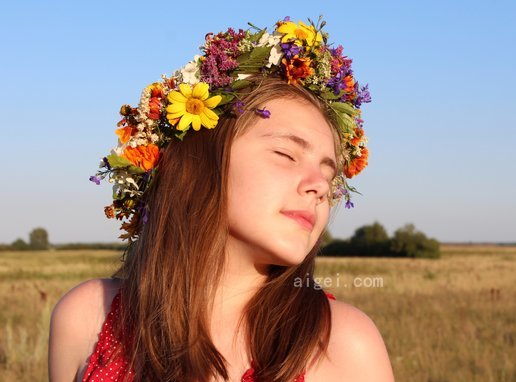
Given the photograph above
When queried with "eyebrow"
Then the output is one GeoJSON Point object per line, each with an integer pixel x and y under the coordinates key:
{"type": "Point", "coordinates": [305, 145]}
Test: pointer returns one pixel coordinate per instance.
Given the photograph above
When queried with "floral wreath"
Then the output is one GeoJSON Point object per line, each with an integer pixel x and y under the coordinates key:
{"type": "Point", "coordinates": [210, 85]}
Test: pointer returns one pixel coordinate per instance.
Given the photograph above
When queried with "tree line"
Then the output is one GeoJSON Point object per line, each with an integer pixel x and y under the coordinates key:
{"type": "Point", "coordinates": [38, 241]}
{"type": "Point", "coordinates": [368, 240]}
{"type": "Point", "coordinates": [373, 240]}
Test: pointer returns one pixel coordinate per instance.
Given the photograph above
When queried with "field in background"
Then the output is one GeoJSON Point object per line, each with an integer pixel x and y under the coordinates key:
{"type": "Point", "coordinates": [451, 319]}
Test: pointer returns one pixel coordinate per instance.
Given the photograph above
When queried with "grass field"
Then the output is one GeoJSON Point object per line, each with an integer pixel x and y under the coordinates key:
{"type": "Point", "coordinates": [446, 320]}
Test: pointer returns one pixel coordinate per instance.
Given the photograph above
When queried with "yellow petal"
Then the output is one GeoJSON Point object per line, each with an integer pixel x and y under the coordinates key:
{"type": "Point", "coordinates": [210, 114]}
{"type": "Point", "coordinates": [186, 90]}
{"type": "Point", "coordinates": [185, 121]}
{"type": "Point", "coordinates": [174, 97]}
{"type": "Point", "coordinates": [196, 122]}
{"type": "Point", "coordinates": [212, 101]}
{"type": "Point", "coordinates": [200, 91]}
{"type": "Point", "coordinates": [176, 108]}
{"type": "Point", "coordinates": [176, 115]}
{"type": "Point", "coordinates": [209, 123]}
{"type": "Point", "coordinates": [288, 27]}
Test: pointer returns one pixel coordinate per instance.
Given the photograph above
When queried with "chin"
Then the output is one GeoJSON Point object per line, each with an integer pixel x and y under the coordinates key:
{"type": "Point", "coordinates": [289, 255]}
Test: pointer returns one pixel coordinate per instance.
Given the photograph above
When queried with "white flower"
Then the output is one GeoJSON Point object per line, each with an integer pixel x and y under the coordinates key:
{"type": "Point", "coordinates": [269, 40]}
{"type": "Point", "coordinates": [275, 56]}
{"type": "Point", "coordinates": [243, 76]}
{"type": "Point", "coordinates": [190, 72]}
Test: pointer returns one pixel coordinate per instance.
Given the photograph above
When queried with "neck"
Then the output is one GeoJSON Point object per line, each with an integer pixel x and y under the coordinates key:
{"type": "Point", "coordinates": [240, 280]}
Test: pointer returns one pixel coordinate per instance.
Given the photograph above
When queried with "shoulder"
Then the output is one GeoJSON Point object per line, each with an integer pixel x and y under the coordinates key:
{"type": "Point", "coordinates": [76, 321]}
{"type": "Point", "coordinates": [355, 344]}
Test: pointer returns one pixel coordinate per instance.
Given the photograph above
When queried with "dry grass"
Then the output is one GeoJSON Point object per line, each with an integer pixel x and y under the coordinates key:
{"type": "Point", "coordinates": [451, 319]}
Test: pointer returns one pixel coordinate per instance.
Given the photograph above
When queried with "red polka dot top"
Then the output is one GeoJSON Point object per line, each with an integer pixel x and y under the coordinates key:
{"type": "Point", "coordinates": [104, 367]}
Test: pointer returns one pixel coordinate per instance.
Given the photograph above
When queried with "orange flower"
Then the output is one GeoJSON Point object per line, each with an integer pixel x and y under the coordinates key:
{"type": "Point", "coordinates": [124, 133]}
{"type": "Point", "coordinates": [156, 95]}
{"type": "Point", "coordinates": [357, 164]}
{"type": "Point", "coordinates": [359, 134]}
{"type": "Point", "coordinates": [144, 157]}
{"type": "Point", "coordinates": [297, 68]}
{"type": "Point", "coordinates": [154, 108]}
{"type": "Point", "coordinates": [350, 84]}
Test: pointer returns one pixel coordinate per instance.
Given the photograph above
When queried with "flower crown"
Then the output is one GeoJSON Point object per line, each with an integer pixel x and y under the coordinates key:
{"type": "Point", "coordinates": [211, 85]}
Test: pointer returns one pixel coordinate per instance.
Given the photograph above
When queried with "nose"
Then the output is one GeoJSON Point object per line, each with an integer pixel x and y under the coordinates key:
{"type": "Point", "coordinates": [314, 183]}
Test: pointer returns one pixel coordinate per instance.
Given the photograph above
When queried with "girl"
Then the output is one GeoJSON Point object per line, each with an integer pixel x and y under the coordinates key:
{"type": "Point", "coordinates": [224, 221]}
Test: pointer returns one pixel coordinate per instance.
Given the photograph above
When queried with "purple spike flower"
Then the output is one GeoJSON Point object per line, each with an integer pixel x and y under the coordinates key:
{"type": "Point", "coordinates": [287, 18]}
{"type": "Point", "coordinates": [264, 113]}
{"type": "Point", "coordinates": [95, 179]}
{"type": "Point", "coordinates": [363, 95]}
{"type": "Point", "coordinates": [349, 204]}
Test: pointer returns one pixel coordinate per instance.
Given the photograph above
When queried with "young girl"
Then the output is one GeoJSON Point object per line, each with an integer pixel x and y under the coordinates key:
{"type": "Point", "coordinates": [224, 176]}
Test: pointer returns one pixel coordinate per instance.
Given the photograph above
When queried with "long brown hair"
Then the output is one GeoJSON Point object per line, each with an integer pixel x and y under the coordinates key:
{"type": "Point", "coordinates": [170, 274]}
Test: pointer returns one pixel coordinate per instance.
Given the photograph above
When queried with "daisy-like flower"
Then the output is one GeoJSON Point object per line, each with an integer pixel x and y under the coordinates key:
{"type": "Point", "coordinates": [193, 107]}
{"type": "Point", "coordinates": [299, 33]}
{"type": "Point", "coordinates": [297, 69]}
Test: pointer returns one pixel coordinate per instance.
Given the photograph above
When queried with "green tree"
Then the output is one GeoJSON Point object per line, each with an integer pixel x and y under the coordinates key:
{"type": "Point", "coordinates": [370, 240]}
{"type": "Point", "coordinates": [38, 239]}
{"type": "Point", "coordinates": [19, 245]}
{"type": "Point", "coordinates": [409, 242]}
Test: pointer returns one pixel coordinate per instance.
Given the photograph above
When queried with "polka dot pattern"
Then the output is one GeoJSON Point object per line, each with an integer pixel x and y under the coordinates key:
{"type": "Point", "coordinates": [106, 365]}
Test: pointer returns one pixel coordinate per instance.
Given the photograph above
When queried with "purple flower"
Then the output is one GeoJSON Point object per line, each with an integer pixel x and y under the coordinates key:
{"type": "Point", "coordinates": [287, 18]}
{"type": "Point", "coordinates": [363, 95]}
{"type": "Point", "coordinates": [263, 113]}
{"type": "Point", "coordinates": [290, 50]}
{"type": "Point", "coordinates": [359, 122]}
{"type": "Point", "coordinates": [95, 179]}
{"type": "Point", "coordinates": [239, 106]}
{"type": "Point", "coordinates": [349, 204]}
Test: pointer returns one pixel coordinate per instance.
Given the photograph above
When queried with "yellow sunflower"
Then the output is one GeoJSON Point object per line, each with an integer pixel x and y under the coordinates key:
{"type": "Point", "coordinates": [193, 106]}
{"type": "Point", "coordinates": [299, 33]}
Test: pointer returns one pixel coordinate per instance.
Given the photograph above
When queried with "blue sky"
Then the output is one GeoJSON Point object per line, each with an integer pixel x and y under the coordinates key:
{"type": "Point", "coordinates": [441, 126]}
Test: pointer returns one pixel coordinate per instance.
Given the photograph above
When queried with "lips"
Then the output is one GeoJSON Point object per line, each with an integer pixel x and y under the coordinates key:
{"type": "Point", "coordinates": [305, 218]}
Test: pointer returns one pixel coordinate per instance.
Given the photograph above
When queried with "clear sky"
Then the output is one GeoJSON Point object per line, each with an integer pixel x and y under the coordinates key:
{"type": "Point", "coordinates": [441, 126]}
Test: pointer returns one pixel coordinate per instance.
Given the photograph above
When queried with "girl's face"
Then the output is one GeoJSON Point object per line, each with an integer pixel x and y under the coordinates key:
{"type": "Point", "coordinates": [280, 173]}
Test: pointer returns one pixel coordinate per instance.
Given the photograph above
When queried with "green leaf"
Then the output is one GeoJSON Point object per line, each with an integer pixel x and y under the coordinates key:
{"type": "Point", "coordinates": [343, 108]}
{"type": "Point", "coordinates": [116, 161]}
{"type": "Point", "coordinates": [346, 123]}
{"type": "Point", "coordinates": [257, 36]}
{"type": "Point", "coordinates": [240, 84]}
{"type": "Point", "coordinates": [226, 98]}
{"type": "Point", "coordinates": [329, 95]}
{"type": "Point", "coordinates": [254, 60]}
{"type": "Point", "coordinates": [135, 170]}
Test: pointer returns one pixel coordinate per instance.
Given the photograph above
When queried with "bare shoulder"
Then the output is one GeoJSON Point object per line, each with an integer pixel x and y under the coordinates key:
{"type": "Point", "coordinates": [356, 351]}
{"type": "Point", "coordinates": [76, 321]}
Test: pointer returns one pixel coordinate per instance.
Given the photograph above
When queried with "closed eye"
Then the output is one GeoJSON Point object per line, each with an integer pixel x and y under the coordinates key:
{"type": "Point", "coordinates": [285, 155]}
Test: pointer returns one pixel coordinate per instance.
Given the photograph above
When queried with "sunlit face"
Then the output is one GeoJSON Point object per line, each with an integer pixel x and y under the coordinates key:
{"type": "Point", "coordinates": [280, 164]}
